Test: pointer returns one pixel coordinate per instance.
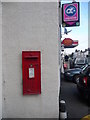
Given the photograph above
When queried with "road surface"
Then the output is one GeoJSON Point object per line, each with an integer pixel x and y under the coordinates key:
{"type": "Point", "coordinates": [76, 106]}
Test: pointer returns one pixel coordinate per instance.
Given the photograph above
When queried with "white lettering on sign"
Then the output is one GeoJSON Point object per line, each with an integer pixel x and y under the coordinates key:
{"type": "Point", "coordinates": [70, 10]}
{"type": "Point", "coordinates": [31, 72]}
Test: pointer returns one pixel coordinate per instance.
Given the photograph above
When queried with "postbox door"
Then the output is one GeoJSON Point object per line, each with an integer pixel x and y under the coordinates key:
{"type": "Point", "coordinates": [31, 77]}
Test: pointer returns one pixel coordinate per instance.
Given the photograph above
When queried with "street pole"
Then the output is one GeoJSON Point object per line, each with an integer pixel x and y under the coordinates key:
{"type": "Point", "coordinates": [73, 1]}
{"type": "Point", "coordinates": [61, 114]}
{"type": "Point", "coordinates": [59, 48]}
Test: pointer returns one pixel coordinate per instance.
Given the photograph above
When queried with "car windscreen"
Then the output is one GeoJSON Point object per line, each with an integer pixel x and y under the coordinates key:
{"type": "Point", "coordinates": [80, 61]}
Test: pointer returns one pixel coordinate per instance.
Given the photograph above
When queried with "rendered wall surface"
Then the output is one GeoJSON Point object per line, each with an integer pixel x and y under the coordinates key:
{"type": "Point", "coordinates": [0, 60]}
{"type": "Point", "coordinates": [30, 26]}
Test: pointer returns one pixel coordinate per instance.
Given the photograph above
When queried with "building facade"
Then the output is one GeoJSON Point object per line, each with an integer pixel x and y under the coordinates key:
{"type": "Point", "coordinates": [29, 26]}
{"type": "Point", "coordinates": [0, 60]}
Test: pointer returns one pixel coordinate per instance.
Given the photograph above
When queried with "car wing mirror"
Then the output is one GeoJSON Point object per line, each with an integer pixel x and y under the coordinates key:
{"type": "Point", "coordinates": [81, 72]}
{"type": "Point", "coordinates": [89, 74]}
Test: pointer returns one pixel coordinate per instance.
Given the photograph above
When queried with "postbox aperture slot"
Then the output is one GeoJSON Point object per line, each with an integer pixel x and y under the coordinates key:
{"type": "Point", "coordinates": [31, 57]}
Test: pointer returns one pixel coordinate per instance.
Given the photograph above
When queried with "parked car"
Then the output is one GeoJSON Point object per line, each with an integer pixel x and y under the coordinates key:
{"type": "Point", "coordinates": [83, 83]}
{"type": "Point", "coordinates": [79, 62]}
{"type": "Point", "coordinates": [73, 74]}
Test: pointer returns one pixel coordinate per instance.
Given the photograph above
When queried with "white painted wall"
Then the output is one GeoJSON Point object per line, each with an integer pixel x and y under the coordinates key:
{"type": "Point", "coordinates": [0, 60]}
{"type": "Point", "coordinates": [30, 26]}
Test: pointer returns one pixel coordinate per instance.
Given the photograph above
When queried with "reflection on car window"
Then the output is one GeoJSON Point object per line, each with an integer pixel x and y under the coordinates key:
{"type": "Point", "coordinates": [84, 68]}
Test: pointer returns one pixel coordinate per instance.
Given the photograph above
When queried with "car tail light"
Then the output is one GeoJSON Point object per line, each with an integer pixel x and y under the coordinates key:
{"type": "Point", "coordinates": [85, 80]}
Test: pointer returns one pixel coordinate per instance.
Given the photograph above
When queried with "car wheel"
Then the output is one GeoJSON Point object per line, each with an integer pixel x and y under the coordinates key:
{"type": "Point", "coordinates": [76, 78]}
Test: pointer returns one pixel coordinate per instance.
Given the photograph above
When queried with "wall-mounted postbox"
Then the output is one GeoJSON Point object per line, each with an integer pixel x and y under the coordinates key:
{"type": "Point", "coordinates": [31, 72]}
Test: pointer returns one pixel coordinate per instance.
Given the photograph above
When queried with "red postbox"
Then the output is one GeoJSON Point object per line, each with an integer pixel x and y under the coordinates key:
{"type": "Point", "coordinates": [31, 72]}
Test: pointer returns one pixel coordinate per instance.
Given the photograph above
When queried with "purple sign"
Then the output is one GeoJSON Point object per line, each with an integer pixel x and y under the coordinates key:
{"type": "Point", "coordinates": [71, 14]}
